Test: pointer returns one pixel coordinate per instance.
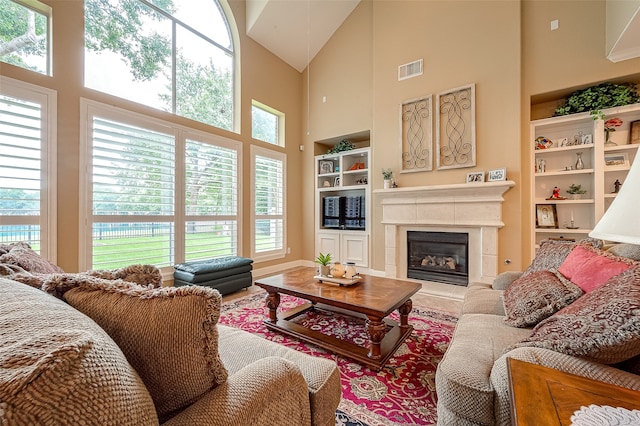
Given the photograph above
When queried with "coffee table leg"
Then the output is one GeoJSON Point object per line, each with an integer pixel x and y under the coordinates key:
{"type": "Point", "coordinates": [273, 301]}
{"type": "Point", "coordinates": [404, 313]}
{"type": "Point", "coordinates": [377, 329]}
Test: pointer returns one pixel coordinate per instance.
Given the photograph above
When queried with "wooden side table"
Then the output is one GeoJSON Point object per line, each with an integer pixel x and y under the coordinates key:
{"type": "Point", "coordinates": [544, 396]}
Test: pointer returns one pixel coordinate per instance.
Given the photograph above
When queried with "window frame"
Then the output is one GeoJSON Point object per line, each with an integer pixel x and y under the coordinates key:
{"type": "Point", "coordinates": [280, 133]}
{"type": "Point", "coordinates": [90, 109]}
{"type": "Point", "coordinates": [233, 51]}
{"type": "Point", "coordinates": [48, 99]}
{"type": "Point", "coordinates": [279, 156]}
{"type": "Point", "coordinates": [46, 10]}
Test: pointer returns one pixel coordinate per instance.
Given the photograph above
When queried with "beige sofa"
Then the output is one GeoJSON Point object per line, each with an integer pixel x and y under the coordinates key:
{"type": "Point", "coordinates": [471, 380]}
{"type": "Point", "coordinates": [94, 349]}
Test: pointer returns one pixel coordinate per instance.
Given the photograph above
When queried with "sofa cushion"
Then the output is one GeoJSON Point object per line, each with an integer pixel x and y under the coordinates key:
{"type": "Point", "coordinates": [322, 375]}
{"type": "Point", "coordinates": [601, 326]}
{"type": "Point", "coordinates": [629, 251]}
{"type": "Point", "coordinates": [589, 268]}
{"type": "Point", "coordinates": [463, 376]}
{"type": "Point", "coordinates": [534, 297]}
{"type": "Point", "coordinates": [552, 253]}
{"type": "Point", "coordinates": [168, 334]}
{"type": "Point", "coordinates": [22, 255]}
{"type": "Point", "coordinates": [57, 366]}
{"type": "Point", "coordinates": [481, 298]}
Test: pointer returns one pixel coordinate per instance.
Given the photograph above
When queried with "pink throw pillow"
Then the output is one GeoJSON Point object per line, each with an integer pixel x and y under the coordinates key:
{"type": "Point", "coordinates": [589, 269]}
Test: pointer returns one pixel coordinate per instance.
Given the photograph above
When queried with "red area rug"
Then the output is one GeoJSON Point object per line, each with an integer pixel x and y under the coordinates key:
{"type": "Point", "coordinates": [403, 393]}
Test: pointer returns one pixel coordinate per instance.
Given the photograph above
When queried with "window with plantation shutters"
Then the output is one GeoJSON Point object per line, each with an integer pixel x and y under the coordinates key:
{"type": "Point", "coordinates": [133, 195]}
{"type": "Point", "coordinates": [27, 165]}
{"type": "Point", "coordinates": [158, 193]}
{"type": "Point", "coordinates": [211, 203]}
{"type": "Point", "coordinates": [268, 198]}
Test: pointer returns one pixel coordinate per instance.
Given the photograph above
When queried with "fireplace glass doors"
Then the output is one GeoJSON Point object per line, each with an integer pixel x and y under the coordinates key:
{"type": "Point", "coordinates": [438, 256]}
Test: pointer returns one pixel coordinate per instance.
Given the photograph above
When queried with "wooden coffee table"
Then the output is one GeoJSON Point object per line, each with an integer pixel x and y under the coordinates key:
{"type": "Point", "coordinates": [373, 299]}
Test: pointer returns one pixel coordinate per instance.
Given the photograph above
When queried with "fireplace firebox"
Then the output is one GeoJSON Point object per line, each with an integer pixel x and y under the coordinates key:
{"type": "Point", "coordinates": [438, 256]}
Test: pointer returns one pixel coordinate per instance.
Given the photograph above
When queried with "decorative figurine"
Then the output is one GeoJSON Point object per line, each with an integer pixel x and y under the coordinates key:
{"type": "Point", "coordinates": [616, 186]}
{"type": "Point", "coordinates": [556, 194]}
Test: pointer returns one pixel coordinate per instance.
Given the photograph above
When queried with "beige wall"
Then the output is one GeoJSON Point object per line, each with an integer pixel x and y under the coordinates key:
{"type": "Point", "coordinates": [458, 49]}
{"type": "Point", "coordinates": [264, 77]}
{"type": "Point", "coordinates": [505, 47]}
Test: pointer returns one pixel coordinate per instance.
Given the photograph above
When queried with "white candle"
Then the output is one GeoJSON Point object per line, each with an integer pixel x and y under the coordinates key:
{"type": "Point", "coordinates": [571, 215]}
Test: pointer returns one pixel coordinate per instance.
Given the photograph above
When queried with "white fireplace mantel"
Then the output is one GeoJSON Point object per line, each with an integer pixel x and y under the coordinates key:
{"type": "Point", "coordinates": [473, 208]}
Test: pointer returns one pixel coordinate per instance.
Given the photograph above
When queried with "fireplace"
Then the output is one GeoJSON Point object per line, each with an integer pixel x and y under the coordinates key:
{"type": "Point", "coordinates": [472, 209]}
{"type": "Point", "coordinates": [438, 256]}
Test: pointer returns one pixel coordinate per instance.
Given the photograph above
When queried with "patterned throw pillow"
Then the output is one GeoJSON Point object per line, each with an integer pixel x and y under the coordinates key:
{"type": "Point", "coordinates": [552, 253]}
{"type": "Point", "coordinates": [532, 298]}
{"type": "Point", "coordinates": [23, 256]}
{"type": "Point", "coordinates": [589, 268]}
{"type": "Point", "coordinates": [602, 326]}
{"type": "Point", "coordinates": [168, 334]}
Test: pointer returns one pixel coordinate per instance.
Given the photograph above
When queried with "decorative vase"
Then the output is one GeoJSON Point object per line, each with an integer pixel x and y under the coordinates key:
{"type": "Point", "coordinates": [351, 270]}
{"type": "Point", "coordinates": [387, 183]}
{"type": "Point", "coordinates": [579, 163]}
{"type": "Point", "coordinates": [576, 196]}
{"type": "Point", "coordinates": [324, 270]}
{"type": "Point", "coordinates": [608, 141]}
{"type": "Point", "coordinates": [337, 271]}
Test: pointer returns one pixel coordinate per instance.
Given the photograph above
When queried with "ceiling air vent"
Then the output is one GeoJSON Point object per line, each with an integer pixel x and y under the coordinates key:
{"type": "Point", "coordinates": [409, 70]}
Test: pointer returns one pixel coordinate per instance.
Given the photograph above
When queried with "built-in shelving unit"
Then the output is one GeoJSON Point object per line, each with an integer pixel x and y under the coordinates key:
{"type": "Point", "coordinates": [343, 203]}
{"type": "Point", "coordinates": [555, 166]}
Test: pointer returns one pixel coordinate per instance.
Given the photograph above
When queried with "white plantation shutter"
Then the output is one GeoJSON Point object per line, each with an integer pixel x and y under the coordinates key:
{"type": "Point", "coordinates": [155, 193]}
{"type": "Point", "coordinates": [211, 202]}
{"type": "Point", "coordinates": [269, 170]}
{"type": "Point", "coordinates": [133, 172]}
{"type": "Point", "coordinates": [27, 173]}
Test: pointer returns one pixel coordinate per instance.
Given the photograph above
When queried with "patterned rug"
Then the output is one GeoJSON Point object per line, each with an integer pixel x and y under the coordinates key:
{"type": "Point", "coordinates": [403, 393]}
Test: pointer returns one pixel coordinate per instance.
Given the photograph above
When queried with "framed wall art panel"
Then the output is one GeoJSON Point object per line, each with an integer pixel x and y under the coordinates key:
{"type": "Point", "coordinates": [456, 128]}
{"type": "Point", "coordinates": [415, 122]}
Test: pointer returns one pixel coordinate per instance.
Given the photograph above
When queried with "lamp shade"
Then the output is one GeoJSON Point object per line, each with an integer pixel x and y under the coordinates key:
{"type": "Point", "coordinates": [621, 221]}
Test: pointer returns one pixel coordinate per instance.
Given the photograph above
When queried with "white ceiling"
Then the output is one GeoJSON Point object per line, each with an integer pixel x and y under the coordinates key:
{"type": "Point", "coordinates": [296, 30]}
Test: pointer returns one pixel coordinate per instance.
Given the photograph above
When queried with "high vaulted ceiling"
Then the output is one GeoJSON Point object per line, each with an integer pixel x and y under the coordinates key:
{"type": "Point", "coordinates": [296, 30]}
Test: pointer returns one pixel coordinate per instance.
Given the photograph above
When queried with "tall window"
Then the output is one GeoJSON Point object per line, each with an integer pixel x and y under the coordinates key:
{"type": "Point", "coordinates": [268, 198]}
{"type": "Point", "coordinates": [157, 193]}
{"type": "Point", "coordinates": [24, 35]}
{"type": "Point", "coordinates": [174, 55]}
{"type": "Point", "coordinates": [27, 165]}
{"type": "Point", "coordinates": [267, 124]}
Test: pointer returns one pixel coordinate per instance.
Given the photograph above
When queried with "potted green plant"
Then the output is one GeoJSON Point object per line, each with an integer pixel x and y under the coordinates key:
{"type": "Point", "coordinates": [386, 175]}
{"type": "Point", "coordinates": [343, 145]}
{"type": "Point", "coordinates": [324, 260]}
{"type": "Point", "coordinates": [596, 98]}
{"type": "Point", "coordinates": [576, 191]}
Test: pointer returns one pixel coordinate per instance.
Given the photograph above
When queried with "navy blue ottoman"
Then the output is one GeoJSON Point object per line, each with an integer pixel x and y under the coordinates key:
{"type": "Point", "coordinates": [225, 274]}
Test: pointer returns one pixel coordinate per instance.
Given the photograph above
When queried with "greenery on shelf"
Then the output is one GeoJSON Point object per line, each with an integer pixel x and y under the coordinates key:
{"type": "Point", "coordinates": [343, 145]}
{"type": "Point", "coordinates": [386, 174]}
{"type": "Point", "coordinates": [323, 259]}
{"type": "Point", "coordinates": [576, 189]}
{"type": "Point", "coordinates": [596, 98]}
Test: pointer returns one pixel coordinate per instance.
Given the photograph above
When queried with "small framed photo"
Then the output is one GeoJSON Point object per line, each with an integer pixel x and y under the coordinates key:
{"type": "Point", "coordinates": [475, 177]}
{"type": "Point", "coordinates": [336, 181]}
{"type": "Point", "coordinates": [616, 160]}
{"type": "Point", "coordinates": [634, 132]}
{"type": "Point", "coordinates": [361, 180]}
{"type": "Point", "coordinates": [546, 216]}
{"type": "Point", "coordinates": [326, 167]}
{"type": "Point", "coordinates": [497, 174]}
